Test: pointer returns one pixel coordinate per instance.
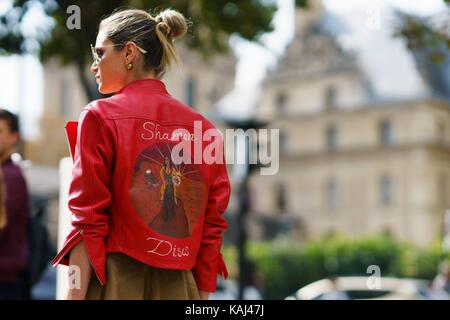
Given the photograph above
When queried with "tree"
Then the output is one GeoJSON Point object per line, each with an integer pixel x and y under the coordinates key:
{"type": "Point", "coordinates": [420, 33]}
{"type": "Point", "coordinates": [429, 41]}
{"type": "Point", "coordinates": [212, 22]}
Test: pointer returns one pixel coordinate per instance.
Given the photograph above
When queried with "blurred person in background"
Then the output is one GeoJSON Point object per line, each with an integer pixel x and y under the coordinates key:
{"type": "Point", "coordinates": [14, 219]}
{"type": "Point", "coordinates": [2, 201]}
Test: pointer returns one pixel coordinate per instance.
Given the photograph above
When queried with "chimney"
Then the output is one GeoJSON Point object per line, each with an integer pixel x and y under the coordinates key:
{"type": "Point", "coordinates": [305, 16]}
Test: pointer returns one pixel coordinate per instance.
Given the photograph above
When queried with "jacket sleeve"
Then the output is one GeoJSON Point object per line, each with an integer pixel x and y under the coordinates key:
{"type": "Point", "coordinates": [89, 193]}
{"type": "Point", "coordinates": [210, 262]}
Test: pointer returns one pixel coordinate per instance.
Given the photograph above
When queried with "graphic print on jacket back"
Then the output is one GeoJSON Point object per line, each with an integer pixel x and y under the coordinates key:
{"type": "Point", "coordinates": [168, 197]}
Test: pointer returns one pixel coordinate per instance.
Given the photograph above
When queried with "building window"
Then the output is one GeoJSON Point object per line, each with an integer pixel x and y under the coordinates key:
{"type": "Point", "coordinates": [190, 92]}
{"type": "Point", "coordinates": [330, 97]}
{"type": "Point", "coordinates": [442, 191]}
{"type": "Point", "coordinates": [332, 194]}
{"type": "Point", "coordinates": [214, 95]}
{"type": "Point", "coordinates": [65, 98]}
{"type": "Point", "coordinates": [331, 136]}
{"type": "Point", "coordinates": [281, 198]}
{"type": "Point", "coordinates": [281, 103]}
{"type": "Point", "coordinates": [386, 190]}
{"type": "Point", "coordinates": [441, 132]}
{"type": "Point", "coordinates": [385, 132]}
{"type": "Point", "coordinates": [283, 142]}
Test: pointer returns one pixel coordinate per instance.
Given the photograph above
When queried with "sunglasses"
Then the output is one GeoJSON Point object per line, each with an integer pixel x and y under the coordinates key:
{"type": "Point", "coordinates": [97, 58]}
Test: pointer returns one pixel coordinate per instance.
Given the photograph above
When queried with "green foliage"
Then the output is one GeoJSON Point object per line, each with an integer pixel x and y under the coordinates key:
{"type": "Point", "coordinates": [301, 3]}
{"type": "Point", "coordinates": [286, 267]}
{"type": "Point", "coordinates": [212, 22]}
{"type": "Point", "coordinates": [419, 34]}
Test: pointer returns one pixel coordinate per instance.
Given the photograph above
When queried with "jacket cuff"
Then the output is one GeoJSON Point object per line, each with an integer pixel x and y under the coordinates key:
{"type": "Point", "coordinates": [222, 268]}
{"type": "Point", "coordinates": [206, 280]}
{"type": "Point", "coordinates": [63, 256]}
{"type": "Point", "coordinates": [95, 247]}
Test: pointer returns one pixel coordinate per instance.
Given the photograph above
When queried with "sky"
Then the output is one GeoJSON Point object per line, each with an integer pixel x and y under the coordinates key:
{"type": "Point", "coordinates": [374, 44]}
{"type": "Point", "coordinates": [384, 59]}
{"type": "Point", "coordinates": [253, 57]}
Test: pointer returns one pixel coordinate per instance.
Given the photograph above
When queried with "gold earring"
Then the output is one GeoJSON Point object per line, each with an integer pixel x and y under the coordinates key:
{"type": "Point", "coordinates": [130, 66]}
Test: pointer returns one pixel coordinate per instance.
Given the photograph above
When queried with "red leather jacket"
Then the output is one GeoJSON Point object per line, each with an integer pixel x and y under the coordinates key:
{"type": "Point", "coordinates": [128, 195]}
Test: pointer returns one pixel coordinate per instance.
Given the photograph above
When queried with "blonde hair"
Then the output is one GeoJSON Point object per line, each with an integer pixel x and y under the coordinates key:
{"type": "Point", "coordinates": [156, 35]}
{"type": "Point", "coordinates": [3, 217]}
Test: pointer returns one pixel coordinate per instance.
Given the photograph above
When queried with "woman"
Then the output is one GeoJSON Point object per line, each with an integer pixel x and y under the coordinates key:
{"type": "Point", "coordinates": [114, 248]}
{"type": "Point", "coordinates": [168, 189]}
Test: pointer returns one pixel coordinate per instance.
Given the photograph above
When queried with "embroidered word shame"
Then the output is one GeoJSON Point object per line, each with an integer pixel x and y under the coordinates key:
{"type": "Point", "coordinates": [204, 146]}
{"type": "Point", "coordinates": [152, 131]}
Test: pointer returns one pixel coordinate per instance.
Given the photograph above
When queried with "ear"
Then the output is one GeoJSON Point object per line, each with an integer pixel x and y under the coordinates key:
{"type": "Point", "coordinates": [130, 51]}
{"type": "Point", "coordinates": [15, 138]}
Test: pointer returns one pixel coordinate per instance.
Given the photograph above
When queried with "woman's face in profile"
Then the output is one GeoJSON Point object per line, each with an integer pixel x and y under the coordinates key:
{"type": "Point", "coordinates": [110, 69]}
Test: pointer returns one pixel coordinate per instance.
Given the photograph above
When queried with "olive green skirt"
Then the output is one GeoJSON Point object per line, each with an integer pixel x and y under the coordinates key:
{"type": "Point", "coordinates": [128, 279]}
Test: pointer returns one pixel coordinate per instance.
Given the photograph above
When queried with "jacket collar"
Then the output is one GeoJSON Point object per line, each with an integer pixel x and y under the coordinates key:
{"type": "Point", "coordinates": [153, 85]}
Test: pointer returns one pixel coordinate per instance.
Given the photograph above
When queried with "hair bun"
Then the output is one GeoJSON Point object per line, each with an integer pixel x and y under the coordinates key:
{"type": "Point", "coordinates": [172, 23]}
